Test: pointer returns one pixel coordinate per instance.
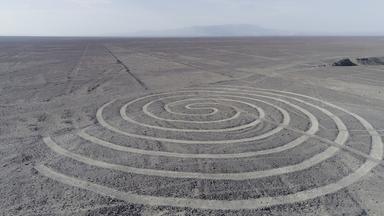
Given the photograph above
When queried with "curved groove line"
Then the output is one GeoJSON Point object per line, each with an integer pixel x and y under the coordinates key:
{"type": "Point", "coordinates": [195, 175]}
{"type": "Point", "coordinates": [110, 145]}
{"type": "Point", "coordinates": [251, 124]}
{"type": "Point", "coordinates": [329, 152]}
{"type": "Point", "coordinates": [312, 130]}
{"type": "Point", "coordinates": [286, 120]}
{"type": "Point", "coordinates": [189, 106]}
{"type": "Point", "coordinates": [123, 109]}
{"type": "Point", "coordinates": [376, 152]}
{"type": "Point", "coordinates": [145, 109]}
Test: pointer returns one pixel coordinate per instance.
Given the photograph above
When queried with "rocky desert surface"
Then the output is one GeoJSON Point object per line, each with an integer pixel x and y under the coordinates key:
{"type": "Point", "coordinates": [192, 126]}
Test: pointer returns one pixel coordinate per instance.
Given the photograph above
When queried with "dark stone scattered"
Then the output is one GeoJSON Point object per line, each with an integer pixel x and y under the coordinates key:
{"type": "Point", "coordinates": [344, 62]}
{"type": "Point", "coordinates": [371, 61]}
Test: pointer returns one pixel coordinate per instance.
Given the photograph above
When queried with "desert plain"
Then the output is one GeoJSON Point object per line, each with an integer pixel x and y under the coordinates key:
{"type": "Point", "coordinates": [192, 126]}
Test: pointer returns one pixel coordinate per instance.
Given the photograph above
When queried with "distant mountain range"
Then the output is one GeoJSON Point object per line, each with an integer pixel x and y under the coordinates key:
{"type": "Point", "coordinates": [214, 31]}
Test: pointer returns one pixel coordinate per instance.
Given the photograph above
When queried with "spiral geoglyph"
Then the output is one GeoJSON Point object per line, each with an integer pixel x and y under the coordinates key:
{"type": "Point", "coordinates": [222, 125]}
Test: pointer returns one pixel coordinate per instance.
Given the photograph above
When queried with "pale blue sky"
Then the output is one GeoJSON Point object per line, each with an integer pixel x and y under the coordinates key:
{"type": "Point", "coordinates": [121, 17]}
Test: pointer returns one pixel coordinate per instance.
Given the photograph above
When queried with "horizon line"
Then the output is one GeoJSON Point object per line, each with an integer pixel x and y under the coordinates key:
{"type": "Point", "coordinates": [193, 36]}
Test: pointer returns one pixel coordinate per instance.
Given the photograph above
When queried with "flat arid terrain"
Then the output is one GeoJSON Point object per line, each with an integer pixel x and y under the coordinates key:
{"type": "Point", "coordinates": [203, 126]}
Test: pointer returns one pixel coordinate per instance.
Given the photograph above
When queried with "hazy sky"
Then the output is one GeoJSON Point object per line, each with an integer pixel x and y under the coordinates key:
{"type": "Point", "coordinates": [119, 17]}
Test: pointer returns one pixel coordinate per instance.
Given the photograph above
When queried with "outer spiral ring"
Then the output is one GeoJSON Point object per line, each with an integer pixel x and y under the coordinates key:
{"type": "Point", "coordinates": [375, 153]}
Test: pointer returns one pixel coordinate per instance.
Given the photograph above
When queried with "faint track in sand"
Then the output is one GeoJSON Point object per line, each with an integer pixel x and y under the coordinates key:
{"type": "Point", "coordinates": [126, 68]}
{"type": "Point", "coordinates": [73, 73]}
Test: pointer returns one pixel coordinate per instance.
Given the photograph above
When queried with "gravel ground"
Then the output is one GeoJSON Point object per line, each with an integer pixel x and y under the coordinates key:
{"type": "Point", "coordinates": [203, 126]}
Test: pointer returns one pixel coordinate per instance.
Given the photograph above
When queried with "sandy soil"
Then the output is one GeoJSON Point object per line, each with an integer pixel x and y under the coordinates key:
{"type": "Point", "coordinates": [231, 126]}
